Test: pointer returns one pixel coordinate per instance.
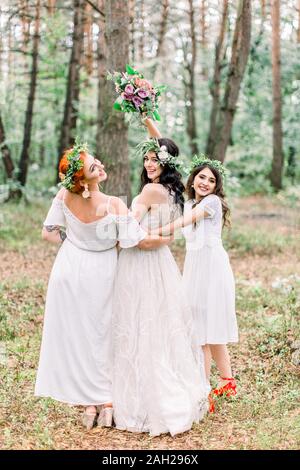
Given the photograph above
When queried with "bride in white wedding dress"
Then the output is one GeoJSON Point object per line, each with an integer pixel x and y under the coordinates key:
{"type": "Point", "coordinates": [159, 382]}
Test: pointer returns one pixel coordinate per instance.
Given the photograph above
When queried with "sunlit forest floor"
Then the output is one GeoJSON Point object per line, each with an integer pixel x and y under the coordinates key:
{"type": "Point", "coordinates": [264, 250]}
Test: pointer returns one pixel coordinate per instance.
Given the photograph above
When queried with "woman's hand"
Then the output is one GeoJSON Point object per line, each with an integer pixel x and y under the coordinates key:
{"type": "Point", "coordinates": [151, 127]}
{"type": "Point", "coordinates": [151, 242]}
{"type": "Point", "coordinates": [144, 118]}
{"type": "Point", "coordinates": [164, 231]}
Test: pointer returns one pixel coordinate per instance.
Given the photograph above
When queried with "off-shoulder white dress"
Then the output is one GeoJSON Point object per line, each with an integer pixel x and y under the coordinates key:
{"type": "Point", "coordinates": [159, 383]}
{"type": "Point", "coordinates": [74, 365]}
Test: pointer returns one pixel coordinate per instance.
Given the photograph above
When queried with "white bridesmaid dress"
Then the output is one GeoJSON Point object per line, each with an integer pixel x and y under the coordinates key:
{"type": "Point", "coordinates": [159, 383]}
{"type": "Point", "coordinates": [208, 278]}
{"type": "Point", "coordinates": [75, 356]}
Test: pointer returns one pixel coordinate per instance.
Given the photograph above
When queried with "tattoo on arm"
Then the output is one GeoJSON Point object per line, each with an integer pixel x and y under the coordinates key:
{"type": "Point", "coordinates": [56, 228]}
{"type": "Point", "coordinates": [62, 235]}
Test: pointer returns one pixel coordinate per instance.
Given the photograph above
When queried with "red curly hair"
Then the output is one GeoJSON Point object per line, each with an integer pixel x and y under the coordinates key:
{"type": "Point", "coordinates": [78, 176]}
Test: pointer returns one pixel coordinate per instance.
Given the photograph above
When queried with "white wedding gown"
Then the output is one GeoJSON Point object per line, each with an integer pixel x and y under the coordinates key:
{"type": "Point", "coordinates": [159, 383]}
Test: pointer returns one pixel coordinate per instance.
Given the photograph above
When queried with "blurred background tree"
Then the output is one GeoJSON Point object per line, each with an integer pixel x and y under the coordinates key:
{"type": "Point", "coordinates": [233, 78]}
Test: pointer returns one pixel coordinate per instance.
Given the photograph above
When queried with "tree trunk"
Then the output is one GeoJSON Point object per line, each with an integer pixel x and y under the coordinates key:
{"type": "Point", "coordinates": [73, 84]}
{"type": "Point", "coordinates": [142, 29]}
{"type": "Point", "coordinates": [102, 85]}
{"type": "Point", "coordinates": [239, 58]}
{"type": "Point", "coordinates": [161, 34]}
{"type": "Point", "coordinates": [25, 24]}
{"type": "Point", "coordinates": [190, 86]}
{"type": "Point", "coordinates": [132, 30]}
{"type": "Point", "coordinates": [1, 45]}
{"type": "Point", "coordinates": [277, 163]}
{"type": "Point", "coordinates": [112, 145]}
{"type": "Point", "coordinates": [163, 27]}
{"type": "Point", "coordinates": [263, 9]}
{"type": "Point", "coordinates": [203, 26]}
{"type": "Point", "coordinates": [6, 157]}
{"type": "Point", "coordinates": [88, 38]}
{"type": "Point", "coordinates": [24, 158]}
{"type": "Point", "coordinates": [298, 29]}
{"type": "Point", "coordinates": [10, 47]}
{"type": "Point", "coordinates": [51, 6]}
{"type": "Point", "coordinates": [216, 82]}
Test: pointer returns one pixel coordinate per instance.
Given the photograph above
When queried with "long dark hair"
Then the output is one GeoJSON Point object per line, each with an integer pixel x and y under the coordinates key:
{"type": "Point", "coordinates": [170, 178]}
{"type": "Point", "coordinates": [219, 191]}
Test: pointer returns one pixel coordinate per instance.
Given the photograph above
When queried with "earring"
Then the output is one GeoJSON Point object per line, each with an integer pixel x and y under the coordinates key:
{"type": "Point", "coordinates": [192, 185]}
{"type": "Point", "coordinates": [86, 194]}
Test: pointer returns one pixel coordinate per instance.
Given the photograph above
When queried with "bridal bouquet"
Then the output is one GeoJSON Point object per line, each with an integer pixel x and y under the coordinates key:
{"type": "Point", "coordinates": [136, 94]}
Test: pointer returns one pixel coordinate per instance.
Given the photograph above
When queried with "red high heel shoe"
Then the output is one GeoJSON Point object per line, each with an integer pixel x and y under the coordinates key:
{"type": "Point", "coordinates": [229, 389]}
{"type": "Point", "coordinates": [211, 403]}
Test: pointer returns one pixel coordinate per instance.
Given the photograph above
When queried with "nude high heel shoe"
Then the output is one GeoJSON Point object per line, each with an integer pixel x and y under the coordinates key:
{"type": "Point", "coordinates": [88, 419]}
{"type": "Point", "coordinates": [105, 418]}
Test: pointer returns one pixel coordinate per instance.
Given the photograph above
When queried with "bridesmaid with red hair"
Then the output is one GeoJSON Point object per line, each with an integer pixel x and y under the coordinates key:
{"type": "Point", "coordinates": [75, 357]}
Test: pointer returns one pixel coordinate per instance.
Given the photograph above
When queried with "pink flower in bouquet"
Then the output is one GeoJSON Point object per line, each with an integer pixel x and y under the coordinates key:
{"type": "Point", "coordinates": [127, 97]}
{"type": "Point", "coordinates": [137, 101]}
{"type": "Point", "coordinates": [129, 90]}
{"type": "Point", "coordinates": [142, 83]}
{"type": "Point", "coordinates": [142, 93]}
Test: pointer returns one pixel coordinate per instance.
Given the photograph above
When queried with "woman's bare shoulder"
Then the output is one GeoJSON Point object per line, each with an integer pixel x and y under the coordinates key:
{"type": "Point", "coordinates": [156, 191]}
{"type": "Point", "coordinates": [117, 206]}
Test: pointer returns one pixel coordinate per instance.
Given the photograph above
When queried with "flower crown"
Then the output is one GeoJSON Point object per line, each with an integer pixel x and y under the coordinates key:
{"type": "Point", "coordinates": [165, 158]}
{"type": "Point", "coordinates": [75, 164]}
{"type": "Point", "coordinates": [203, 160]}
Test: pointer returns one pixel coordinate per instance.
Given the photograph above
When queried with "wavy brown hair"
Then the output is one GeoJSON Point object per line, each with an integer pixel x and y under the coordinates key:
{"type": "Point", "coordinates": [218, 191]}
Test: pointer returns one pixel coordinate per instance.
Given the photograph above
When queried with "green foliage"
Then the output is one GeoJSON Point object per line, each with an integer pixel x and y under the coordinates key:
{"type": "Point", "coordinates": [249, 154]}
{"type": "Point", "coordinates": [21, 223]}
{"type": "Point", "coordinates": [251, 171]}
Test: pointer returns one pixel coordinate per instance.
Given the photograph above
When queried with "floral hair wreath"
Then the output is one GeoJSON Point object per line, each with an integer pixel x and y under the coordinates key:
{"type": "Point", "coordinates": [165, 158]}
{"type": "Point", "coordinates": [204, 160]}
{"type": "Point", "coordinates": [75, 164]}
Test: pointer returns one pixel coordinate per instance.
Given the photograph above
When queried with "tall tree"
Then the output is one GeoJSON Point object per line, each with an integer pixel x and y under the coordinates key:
{"type": "Point", "coordinates": [102, 85]}
{"type": "Point", "coordinates": [1, 45]}
{"type": "Point", "coordinates": [190, 62]}
{"type": "Point", "coordinates": [10, 44]}
{"type": "Point", "coordinates": [216, 81]}
{"type": "Point", "coordinates": [203, 24]}
{"type": "Point", "coordinates": [298, 29]}
{"type": "Point", "coordinates": [25, 23]}
{"type": "Point", "coordinates": [112, 145]}
{"type": "Point", "coordinates": [239, 57]}
{"type": "Point", "coordinates": [162, 27]}
{"type": "Point", "coordinates": [6, 157]}
{"type": "Point", "coordinates": [24, 158]}
{"type": "Point", "coordinates": [277, 162]}
{"type": "Point", "coordinates": [132, 30]}
{"type": "Point", "coordinates": [51, 6]}
{"type": "Point", "coordinates": [73, 83]}
{"type": "Point", "coordinates": [263, 9]}
{"type": "Point", "coordinates": [161, 34]}
{"type": "Point", "coordinates": [142, 31]}
{"type": "Point", "coordinates": [204, 28]}
{"type": "Point", "coordinates": [88, 39]}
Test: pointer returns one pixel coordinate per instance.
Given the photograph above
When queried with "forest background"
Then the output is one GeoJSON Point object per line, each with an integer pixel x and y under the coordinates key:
{"type": "Point", "coordinates": [232, 71]}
